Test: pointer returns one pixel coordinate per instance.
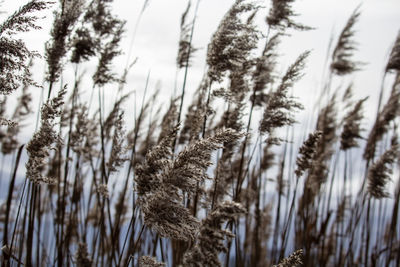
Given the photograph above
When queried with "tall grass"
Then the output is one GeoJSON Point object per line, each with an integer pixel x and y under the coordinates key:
{"type": "Point", "coordinates": [219, 184]}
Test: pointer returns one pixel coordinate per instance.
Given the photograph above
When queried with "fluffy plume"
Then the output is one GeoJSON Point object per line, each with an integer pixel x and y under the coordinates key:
{"type": "Point", "coordinates": [161, 182]}
{"type": "Point", "coordinates": [41, 142]}
{"type": "Point", "coordinates": [146, 178]}
{"type": "Point", "coordinates": [232, 117]}
{"type": "Point", "coordinates": [166, 215]}
{"type": "Point", "coordinates": [102, 21]}
{"type": "Point", "coordinates": [280, 106]}
{"type": "Point", "coordinates": [317, 175]}
{"type": "Point", "coordinates": [264, 72]}
{"type": "Point", "coordinates": [98, 25]}
{"type": "Point", "coordinates": [379, 173]}
{"type": "Point", "coordinates": [194, 120]}
{"type": "Point", "coordinates": [169, 119]}
{"type": "Point", "coordinates": [190, 165]}
{"type": "Point", "coordinates": [22, 110]}
{"type": "Point", "coordinates": [210, 241]}
{"type": "Point", "coordinates": [147, 261]}
{"type": "Point", "coordinates": [14, 54]}
{"type": "Point", "coordinates": [233, 41]}
{"type": "Point", "coordinates": [382, 124]}
{"type": "Point", "coordinates": [56, 47]}
{"type": "Point", "coordinates": [280, 16]}
{"type": "Point", "coordinates": [239, 81]}
{"type": "Point", "coordinates": [112, 119]}
{"type": "Point", "coordinates": [103, 74]}
{"type": "Point", "coordinates": [342, 63]}
{"type": "Point", "coordinates": [6, 122]}
{"type": "Point", "coordinates": [351, 128]}
{"type": "Point", "coordinates": [293, 260]}
{"type": "Point", "coordinates": [394, 58]}
{"type": "Point", "coordinates": [117, 154]}
{"type": "Point", "coordinates": [84, 137]}
{"type": "Point", "coordinates": [23, 20]}
{"type": "Point", "coordinates": [80, 129]}
{"type": "Point", "coordinates": [186, 49]}
{"type": "Point", "coordinates": [83, 45]}
{"type": "Point", "coordinates": [307, 153]}
{"type": "Point", "coordinates": [348, 95]}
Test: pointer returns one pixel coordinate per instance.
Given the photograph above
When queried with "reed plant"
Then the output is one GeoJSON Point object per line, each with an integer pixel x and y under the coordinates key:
{"type": "Point", "coordinates": [223, 181]}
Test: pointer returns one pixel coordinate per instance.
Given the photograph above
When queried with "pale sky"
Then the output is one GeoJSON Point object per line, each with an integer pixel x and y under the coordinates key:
{"type": "Point", "coordinates": [157, 39]}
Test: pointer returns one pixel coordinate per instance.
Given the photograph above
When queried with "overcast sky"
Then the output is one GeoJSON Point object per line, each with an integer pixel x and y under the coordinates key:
{"type": "Point", "coordinates": [157, 37]}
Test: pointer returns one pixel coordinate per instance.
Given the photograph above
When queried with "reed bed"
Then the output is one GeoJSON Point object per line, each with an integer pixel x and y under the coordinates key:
{"type": "Point", "coordinates": [217, 180]}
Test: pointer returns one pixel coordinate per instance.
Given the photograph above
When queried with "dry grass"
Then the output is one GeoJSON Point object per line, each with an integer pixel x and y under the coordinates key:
{"type": "Point", "coordinates": [194, 187]}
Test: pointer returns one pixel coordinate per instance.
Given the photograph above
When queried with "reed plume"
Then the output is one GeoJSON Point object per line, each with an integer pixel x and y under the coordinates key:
{"type": "Point", "coordinates": [231, 44]}
{"type": "Point", "coordinates": [147, 261]}
{"type": "Point", "coordinates": [41, 142]}
{"type": "Point", "coordinates": [161, 182]}
{"type": "Point", "coordinates": [380, 172]}
{"type": "Point", "coordinates": [352, 126]}
{"type": "Point", "coordinates": [263, 74]}
{"type": "Point", "coordinates": [280, 106]}
{"type": "Point", "coordinates": [342, 62]}
{"type": "Point", "coordinates": [194, 119]}
{"type": "Point", "coordinates": [388, 114]}
{"type": "Point", "coordinates": [186, 49]}
{"type": "Point", "coordinates": [117, 155]}
{"type": "Point", "coordinates": [57, 47]}
{"type": "Point", "coordinates": [14, 54]}
{"type": "Point", "coordinates": [307, 153]}
{"type": "Point", "coordinates": [394, 58]}
{"type": "Point", "coordinates": [84, 45]}
{"type": "Point", "coordinates": [24, 20]}
{"type": "Point", "coordinates": [293, 260]}
{"type": "Point", "coordinates": [23, 109]}
{"type": "Point", "coordinates": [160, 203]}
{"type": "Point", "coordinates": [210, 241]}
{"type": "Point", "coordinates": [280, 16]}
{"type": "Point", "coordinates": [108, 52]}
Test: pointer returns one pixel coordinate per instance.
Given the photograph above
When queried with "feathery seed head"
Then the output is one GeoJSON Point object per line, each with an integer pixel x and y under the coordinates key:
{"type": "Point", "coordinates": [14, 55]}
{"type": "Point", "coordinates": [379, 173]}
{"type": "Point", "coordinates": [23, 20]}
{"type": "Point", "coordinates": [233, 41]}
{"type": "Point", "coordinates": [264, 73]}
{"type": "Point", "coordinates": [307, 152]}
{"type": "Point", "coordinates": [294, 259]}
{"type": "Point", "coordinates": [280, 16]}
{"type": "Point", "coordinates": [394, 58]}
{"type": "Point", "coordinates": [57, 47]}
{"type": "Point", "coordinates": [389, 112]}
{"type": "Point", "coordinates": [147, 261]}
{"type": "Point", "coordinates": [109, 51]}
{"type": "Point", "coordinates": [342, 63]}
{"type": "Point", "coordinates": [186, 49]}
{"type": "Point", "coordinates": [84, 45]}
{"type": "Point", "coordinates": [351, 128]}
{"type": "Point", "coordinates": [280, 106]}
{"type": "Point", "coordinates": [210, 241]}
{"type": "Point", "coordinates": [117, 154]}
{"type": "Point", "coordinates": [42, 141]}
